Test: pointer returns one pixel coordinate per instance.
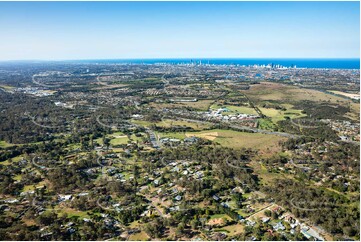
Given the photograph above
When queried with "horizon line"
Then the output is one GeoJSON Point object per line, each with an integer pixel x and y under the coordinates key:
{"type": "Point", "coordinates": [182, 58]}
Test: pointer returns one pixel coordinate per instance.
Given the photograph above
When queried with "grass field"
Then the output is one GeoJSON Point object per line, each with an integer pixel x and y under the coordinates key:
{"type": "Point", "coordinates": [170, 123]}
{"type": "Point", "coordinates": [202, 105]}
{"type": "Point", "coordinates": [18, 158]}
{"type": "Point", "coordinates": [99, 141]}
{"type": "Point", "coordinates": [235, 109]}
{"type": "Point", "coordinates": [172, 135]}
{"type": "Point", "coordinates": [118, 138]}
{"type": "Point", "coordinates": [141, 236]}
{"type": "Point", "coordinates": [225, 216]}
{"type": "Point", "coordinates": [235, 139]}
{"type": "Point", "coordinates": [7, 88]}
{"type": "Point", "coordinates": [205, 135]}
{"type": "Point", "coordinates": [346, 94]}
{"type": "Point", "coordinates": [266, 124]}
{"type": "Point", "coordinates": [73, 213]}
{"type": "Point", "coordinates": [119, 141]}
{"type": "Point", "coordinates": [233, 229]}
{"type": "Point", "coordinates": [277, 91]}
{"type": "Point", "coordinates": [32, 187]}
{"type": "Point", "coordinates": [287, 94]}
{"type": "Point", "coordinates": [104, 85]}
{"type": "Point", "coordinates": [17, 178]}
{"type": "Point", "coordinates": [14, 159]}
{"type": "Point", "coordinates": [4, 144]}
{"type": "Point", "coordinates": [5, 163]}
{"type": "Point", "coordinates": [274, 114]}
{"type": "Point", "coordinates": [278, 115]}
{"type": "Point", "coordinates": [74, 146]}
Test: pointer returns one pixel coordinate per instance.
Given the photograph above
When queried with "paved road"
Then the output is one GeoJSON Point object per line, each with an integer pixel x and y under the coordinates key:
{"type": "Point", "coordinates": [41, 84]}
{"type": "Point", "coordinates": [153, 138]}
{"type": "Point", "coordinates": [165, 81]}
{"type": "Point", "coordinates": [299, 166]}
{"type": "Point", "coordinates": [152, 203]}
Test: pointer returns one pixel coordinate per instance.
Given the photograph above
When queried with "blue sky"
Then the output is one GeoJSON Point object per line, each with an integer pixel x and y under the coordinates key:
{"type": "Point", "coordinates": [109, 30]}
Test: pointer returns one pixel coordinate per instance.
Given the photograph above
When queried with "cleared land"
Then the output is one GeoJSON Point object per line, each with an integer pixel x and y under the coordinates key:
{"type": "Point", "coordinates": [275, 114]}
{"type": "Point", "coordinates": [235, 139]}
{"type": "Point", "coordinates": [118, 138]}
{"type": "Point", "coordinates": [235, 109]}
{"type": "Point", "coordinates": [218, 219]}
{"type": "Point", "coordinates": [287, 94]}
{"type": "Point", "coordinates": [234, 229]}
{"type": "Point", "coordinates": [278, 115]}
{"type": "Point", "coordinates": [171, 123]}
{"type": "Point", "coordinates": [175, 135]}
{"type": "Point", "coordinates": [104, 85]}
{"type": "Point", "coordinates": [202, 105]}
{"type": "Point", "coordinates": [4, 144]}
{"type": "Point", "coordinates": [346, 94]}
{"type": "Point", "coordinates": [141, 236]}
{"type": "Point", "coordinates": [207, 135]}
{"type": "Point", "coordinates": [282, 92]}
{"type": "Point", "coordinates": [7, 88]}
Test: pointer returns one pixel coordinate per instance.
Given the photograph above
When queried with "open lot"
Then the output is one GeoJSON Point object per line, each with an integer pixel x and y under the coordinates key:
{"type": "Point", "coordinates": [278, 115]}
{"type": "Point", "coordinates": [201, 105]}
{"type": "Point", "coordinates": [235, 139]}
{"type": "Point", "coordinates": [346, 94]}
{"type": "Point", "coordinates": [234, 229]}
{"type": "Point", "coordinates": [171, 123]}
{"type": "Point", "coordinates": [287, 94]}
{"type": "Point", "coordinates": [4, 144]}
{"type": "Point", "coordinates": [235, 109]}
{"type": "Point", "coordinates": [141, 236]}
{"type": "Point", "coordinates": [218, 219]}
{"type": "Point", "coordinates": [205, 135]}
{"type": "Point", "coordinates": [175, 135]}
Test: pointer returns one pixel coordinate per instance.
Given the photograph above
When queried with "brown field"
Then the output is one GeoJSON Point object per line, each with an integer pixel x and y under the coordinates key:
{"type": "Point", "coordinates": [265, 142]}
{"type": "Point", "coordinates": [277, 91]}
{"type": "Point", "coordinates": [202, 105]}
{"type": "Point", "coordinates": [141, 236]}
{"type": "Point", "coordinates": [104, 86]}
{"type": "Point", "coordinates": [218, 219]}
{"type": "Point", "coordinates": [234, 229]}
{"type": "Point", "coordinates": [289, 94]}
{"type": "Point", "coordinates": [349, 95]}
{"type": "Point", "coordinates": [209, 135]}
{"type": "Point", "coordinates": [171, 122]}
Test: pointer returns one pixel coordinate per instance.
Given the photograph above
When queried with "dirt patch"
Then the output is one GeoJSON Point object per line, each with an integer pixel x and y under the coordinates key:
{"type": "Point", "coordinates": [210, 135]}
{"type": "Point", "coordinates": [216, 221]}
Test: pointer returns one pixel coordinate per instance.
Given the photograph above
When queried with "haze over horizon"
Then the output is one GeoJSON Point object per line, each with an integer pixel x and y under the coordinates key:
{"type": "Point", "coordinates": [163, 30]}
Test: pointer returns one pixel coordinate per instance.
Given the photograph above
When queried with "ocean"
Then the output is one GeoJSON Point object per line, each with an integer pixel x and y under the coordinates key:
{"type": "Point", "coordinates": [299, 63]}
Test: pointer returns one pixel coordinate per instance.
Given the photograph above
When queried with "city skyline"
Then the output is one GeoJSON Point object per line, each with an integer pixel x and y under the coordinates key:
{"type": "Point", "coordinates": [146, 30]}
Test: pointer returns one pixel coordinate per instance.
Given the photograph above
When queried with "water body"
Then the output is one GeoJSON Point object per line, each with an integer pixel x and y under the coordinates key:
{"type": "Point", "coordinates": [299, 63]}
